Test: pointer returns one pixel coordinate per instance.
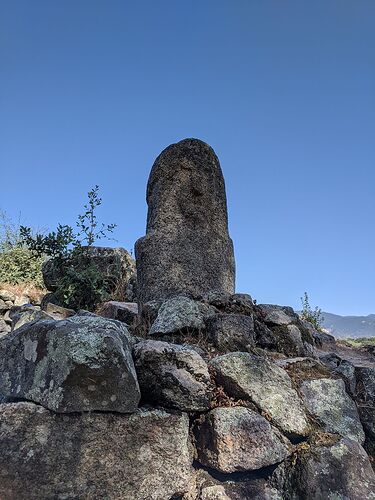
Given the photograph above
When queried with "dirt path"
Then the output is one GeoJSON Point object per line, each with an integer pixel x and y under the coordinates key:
{"type": "Point", "coordinates": [358, 356]}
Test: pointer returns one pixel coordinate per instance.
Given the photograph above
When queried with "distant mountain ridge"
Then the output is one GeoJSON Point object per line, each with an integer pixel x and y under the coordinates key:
{"type": "Point", "coordinates": [349, 326]}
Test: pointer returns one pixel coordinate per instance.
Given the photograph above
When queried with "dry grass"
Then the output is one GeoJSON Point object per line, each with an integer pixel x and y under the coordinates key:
{"type": "Point", "coordinates": [221, 399]}
{"type": "Point", "coordinates": [118, 292]}
{"type": "Point", "coordinates": [141, 325]}
{"type": "Point", "coordinates": [299, 372]}
{"type": "Point", "coordinates": [299, 450]}
{"type": "Point", "coordinates": [320, 438]}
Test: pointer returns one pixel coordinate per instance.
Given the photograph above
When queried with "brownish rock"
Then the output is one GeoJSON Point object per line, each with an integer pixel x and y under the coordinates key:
{"type": "Point", "coordinates": [121, 311]}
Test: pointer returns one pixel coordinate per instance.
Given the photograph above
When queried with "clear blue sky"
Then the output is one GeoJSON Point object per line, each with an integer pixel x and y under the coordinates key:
{"type": "Point", "coordinates": [91, 91]}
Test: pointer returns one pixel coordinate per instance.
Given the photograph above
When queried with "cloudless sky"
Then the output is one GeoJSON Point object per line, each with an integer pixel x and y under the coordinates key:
{"type": "Point", "coordinates": [92, 90]}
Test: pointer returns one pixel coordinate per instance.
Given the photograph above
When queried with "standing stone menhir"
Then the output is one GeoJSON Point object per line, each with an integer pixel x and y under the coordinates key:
{"type": "Point", "coordinates": [187, 249]}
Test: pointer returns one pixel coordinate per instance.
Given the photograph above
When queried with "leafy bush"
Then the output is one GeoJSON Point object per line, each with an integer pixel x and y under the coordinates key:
{"type": "Point", "coordinates": [55, 244]}
{"type": "Point", "coordinates": [18, 264]}
{"type": "Point", "coordinates": [82, 285]}
{"type": "Point", "coordinates": [314, 316]}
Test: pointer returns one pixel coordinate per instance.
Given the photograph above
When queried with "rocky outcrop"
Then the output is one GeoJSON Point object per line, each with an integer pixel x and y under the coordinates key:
{"type": "Point", "coordinates": [327, 400]}
{"type": "Point", "coordinates": [268, 386]}
{"type": "Point", "coordinates": [80, 364]}
{"type": "Point", "coordinates": [46, 455]}
{"type": "Point", "coordinates": [179, 315]}
{"type": "Point", "coordinates": [231, 332]}
{"type": "Point", "coordinates": [173, 376]}
{"type": "Point", "coordinates": [238, 439]}
{"type": "Point", "coordinates": [339, 470]}
{"type": "Point", "coordinates": [126, 312]}
{"type": "Point", "coordinates": [205, 395]}
{"type": "Point", "coordinates": [187, 249]}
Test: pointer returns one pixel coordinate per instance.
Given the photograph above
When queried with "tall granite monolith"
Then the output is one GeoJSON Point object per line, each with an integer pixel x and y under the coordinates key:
{"type": "Point", "coordinates": [187, 249]}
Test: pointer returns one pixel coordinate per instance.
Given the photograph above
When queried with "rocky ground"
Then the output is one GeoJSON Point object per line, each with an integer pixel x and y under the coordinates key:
{"type": "Point", "coordinates": [211, 398]}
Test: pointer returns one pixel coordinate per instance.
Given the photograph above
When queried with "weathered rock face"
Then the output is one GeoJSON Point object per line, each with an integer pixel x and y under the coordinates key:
{"type": "Point", "coordinates": [46, 455]}
{"type": "Point", "coordinates": [237, 486]}
{"type": "Point", "coordinates": [365, 377]}
{"type": "Point", "coordinates": [187, 249]}
{"type": "Point", "coordinates": [231, 332]}
{"type": "Point", "coordinates": [280, 329]}
{"type": "Point", "coordinates": [268, 386]}
{"type": "Point", "coordinates": [178, 315]}
{"type": "Point", "coordinates": [340, 471]}
{"type": "Point", "coordinates": [342, 368]}
{"type": "Point", "coordinates": [278, 315]}
{"type": "Point", "coordinates": [365, 398]}
{"type": "Point", "coordinates": [237, 303]}
{"type": "Point", "coordinates": [238, 439]}
{"type": "Point", "coordinates": [172, 375]}
{"type": "Point", "coordinates": [254, 490]}
{"type": "Point", "coordinates": [83, 363]}
{"type": "Point", "coordinates": [327, 400]}
{"type": "Point", "coordinates": [58, 312]}
{"type": "Point", "coordinates": [121, 311]}
{"type": "Point", "coordinates": [26, 314]}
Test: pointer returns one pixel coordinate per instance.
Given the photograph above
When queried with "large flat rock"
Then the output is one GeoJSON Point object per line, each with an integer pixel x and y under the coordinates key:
{"type": "Point", "coordinates": [99, 456]}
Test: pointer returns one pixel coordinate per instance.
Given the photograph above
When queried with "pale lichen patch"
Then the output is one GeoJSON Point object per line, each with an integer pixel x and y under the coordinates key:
{"type": "Point", "coordinates": [29, 350]}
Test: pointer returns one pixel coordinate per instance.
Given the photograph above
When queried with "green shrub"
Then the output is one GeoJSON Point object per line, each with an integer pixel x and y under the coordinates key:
{"type": "Point", "coordinates": [314, 316]}
{"type": "Point", "coordinates": [82, 285]}
{"type": "Point", "coordinates": [18, 264]}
